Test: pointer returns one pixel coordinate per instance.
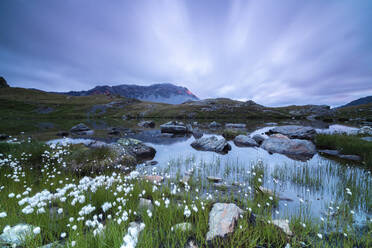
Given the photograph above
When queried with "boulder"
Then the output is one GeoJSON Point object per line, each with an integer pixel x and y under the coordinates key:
{"type": "Point", "coordinates": [154, 178]}
{"type": "Point", "coordinates": [214, 124]}
{"type": "Point", "coordinates": [175, 127]}
{"type": "Point", "coordinates": [244, 140]}
{"type": "Point", "coordinates": [293, 148]}
{"type": "Point", "coordinates": [258, 138]}
{"type": "Point", "coordinates": [235, 125]}
{"type": "Point", "coordinates": [222, 220]}
{"type": "Point", "coordinates": [81, 129]}
{"type": "Point", "coordinates": [137, 148]}
{"type": "Point", "coordinates": [283, 225]}
{"type": "Point", "coordinates": [211, 143]}
{"type": "Point", "coordinates": [145, 204]}
{"type": "Point", "coordinates": [295, 132]}
{"type": "Point", "coordinates": [146, 124]}
{"type": "Point", "coordinates": [197, 133]}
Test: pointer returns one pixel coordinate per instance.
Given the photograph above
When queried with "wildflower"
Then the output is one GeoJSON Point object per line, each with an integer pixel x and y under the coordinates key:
{"type": "Point", "coordinates": [157, 203]}
{"type": "Point", "coordinates": [320, 235]}
{"type": "Point", "coordinates": [3, 214]}
{"type": "Point", "coordinates": [36, 230]}
{"type": "Point", "coordinates": [187, 212]}
{"type": "Point", "coordinates": [73, 243]}
{"type": "Point", "coordinates": [60, 211]}
{"type": "Point", "coordinates": [11, 195]}
{"type": "Point", "coordinates": [63, 235]}
{"type": "Point", "coordinates": [149, 213]}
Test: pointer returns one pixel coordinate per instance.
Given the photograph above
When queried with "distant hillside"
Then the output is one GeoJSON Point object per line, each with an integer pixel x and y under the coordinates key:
{"type": "Point", "coordinates": [164, 93]}
{"type": "Point", "coordinates": [3, 83]}
{"type": "Point", "coordinates": [360, 101]}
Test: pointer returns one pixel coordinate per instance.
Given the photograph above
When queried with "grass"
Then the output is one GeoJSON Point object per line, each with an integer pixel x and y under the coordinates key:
{"type": "Point", "coordinates": [20, 176]}
{"type": "Point", "coordinates": [346, 144]}
{"type": "Point", "coordinates": [230, 133]}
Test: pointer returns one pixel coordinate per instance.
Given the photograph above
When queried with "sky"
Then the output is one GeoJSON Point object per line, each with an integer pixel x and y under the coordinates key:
{"type": "Point", "coordinates": [273, 52]}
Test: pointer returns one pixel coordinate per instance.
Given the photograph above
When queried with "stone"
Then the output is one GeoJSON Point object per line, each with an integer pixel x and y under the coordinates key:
{"type": "Point", "coordinates": [81, 129]}
{"type": "Point", "coordinates": [154, 178]}
{"type": "Point", "coordinates": [175, 127]}
{"type": "Point", "coordinates": [329, 152]}
{"type": "Point", "coordinates": [137, 148]}
{"type": "Point", "coordinates": [336, 153]}
{"type": "Point", "coordinates": [350, 157]}
{"type": "Point", "coordinates": [211, 143]}
{"type": "Point", "coordinates": [3, 136]}
{"type": "Point", "coordinates": [114, 131]}
{"type": "Point", "coordinates": [369, 139]}
{"type": "Point", "coordinates": [283, 225]}
{"type": "Point", "coordinates": [214, 179]}
{"type": "Point", "coordinates": [295, 132]}
{"type": "Point", "coordinates": [222, 220]}
{"type": "Point", "coordinates": [235, 125]}
{"type": "Point", "coordinates": [293, 148]}
{"type": "Point", "coordinates": [197, 133]}
{"type": "Point", "coordinates": [184, 227]}
{"type": "Point", "coordinates": [63, 133]}
{"type": "Point", "coordinates": [191, 244]}
{"type": "Point", "coordinates": [272, 193]}
{"type": "Point", "coordinates": [146, 124]}
{"type": "Point", "coordinates": [151, 163]}
{"type": "Point", "coordinates": [145, 204]}
{"type": "Point", "coordinates": [244, 140]}
{"type": "Point", "coordinates": [214, 124]}
{"type": "Point", "coordinates": [258, 138]}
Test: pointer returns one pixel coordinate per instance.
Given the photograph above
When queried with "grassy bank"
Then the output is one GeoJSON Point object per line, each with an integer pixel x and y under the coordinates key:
{"type": "Point", "coordinates": [96, 211]}
{"type": "Point", "coordinates": [346, 144]}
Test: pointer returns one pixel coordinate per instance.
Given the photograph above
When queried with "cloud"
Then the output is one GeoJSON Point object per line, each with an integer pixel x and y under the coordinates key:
{"type": "Point", "coordinates": [292, 52]}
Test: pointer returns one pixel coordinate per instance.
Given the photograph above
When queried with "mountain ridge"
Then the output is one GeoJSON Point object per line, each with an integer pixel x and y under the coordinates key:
{"type": "Point", "coordinates": [360, 101]}
{"type": "Point", "coordinates": [159, 92]}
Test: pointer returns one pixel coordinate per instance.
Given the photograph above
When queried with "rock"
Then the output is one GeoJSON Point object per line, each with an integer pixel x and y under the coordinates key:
{"type": "Point", "coordinates": [191, 244]}
{"type": "Point", "coordinates": [81, 129]}
{"type": "Point", "coordinates": [244, 140]}
{"type": "Point", "coordinates": [222, 186]}
{"type": "Point", "coordinates": [154, 178]}
{"type": "Point", "coordinates": [258, 138]}
{"type": "Point", "coordinates": [214, 124]}
{"type": "Point", "coordinates": [222, 220]}
{"type": "Point", "coordinates": [147, 124]}
{"type": "Point", "coordinates": [114, 131]}
{"type": "Point", "coordinates": [235, 125]}
{"type": "Point", "coordinates": [287, 245]}
{"type": "Point", "coordinates": [211, 144]}
{"type": "Point", "coordinates": [98, 144]}
{"type": "Point", "coordinates": [3, 83]}
{"type": "Point", "coordinates": [15, 235]}
{"type": "Point", "coordinates": [145, 204]}
{"type": "Point", "coordinates": [197, 133]}
{"type": "Point", "coordinates": [3, 136]}
{"type": "Point", "coordinates": [365, 130]}
{"type": "Point", "coordinates": [283, 225]}
{"type": "Point", "coordinates": [137, 148]}
{"type": "Point", "coordinates": [185, 227]}
{"type": "Point", "coordinates": [369, 139]}
{"type": "Point", "coordinates": [63, 133]}
{"type": "Point", "coordinates": [214, 179]}
{"type": "Point", "coordinates": [175, 127]}
{"type": "Point", "coordinates": [293, 148]}
{"type": "Point", "coordinates": [295, 132]}
{"type": "Point", "coordinates": [151, 163]}
{"type": "Point", "coordinates": [271, 193]}
{"type": "Point", "coordinates": [53, 245]}
{"type": "Point", "coordinates": [336, 153]}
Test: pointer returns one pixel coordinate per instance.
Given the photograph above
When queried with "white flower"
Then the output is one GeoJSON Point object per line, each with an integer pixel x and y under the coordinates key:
{"type": "Point", "coordinates": [36, 230]}
{"type": "Point", "coordinates": [157, 203]}
{"type": "Point", "coordinates": [3, 215]}
{"type": "Point", "coordinates": [11, 195]}
{"type": "Point", "coordinates": [63, 235]}
{"type": "Point", "coordinates": [320, 235]}
{"type": "Point", "coordinates": [73, 243]}
{"type": "Point", "coordinates": [149, 213]}
{"type": "Point", "coordinates": [187, 212]}
{"type": "Point", "coordinates": [60, 211]}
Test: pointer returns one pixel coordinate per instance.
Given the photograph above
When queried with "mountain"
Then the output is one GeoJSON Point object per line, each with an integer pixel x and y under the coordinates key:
{"type": "Point", "coordinates": [3, 83]}
{"type": "Point", "coordinates": [360, 101]}
{"type": "Point", "coordinates": [164, 93]}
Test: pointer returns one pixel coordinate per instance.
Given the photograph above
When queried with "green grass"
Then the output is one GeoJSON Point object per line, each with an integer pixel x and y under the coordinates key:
{"type": "Point", "coordinates": [230, 134]}
{"type": "Point", "coordinates": [346, 144]}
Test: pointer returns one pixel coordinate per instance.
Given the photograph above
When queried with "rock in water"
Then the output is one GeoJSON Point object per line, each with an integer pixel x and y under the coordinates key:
{"type": "Point", "coordinates": [365, 130]}
{"type": "Point", "coordinates": [293, 148]}
{"type": "Point", "coordinates": [175, 127]}
{"type": "Point", "coordinates": [81, 129]}
{"type": "Point", "coordinates": [258, 138]}
{"type": "Point", "coordinates": [214, 124]}
{"type": "Point", "coordinates": [222, 220]}
{"type": "Point", "coordinates": [235, 125]}
{"type": "Point", "coordinates": [244, 140]}
{"type": "Point", "coordinates": [137, 148]}
{"type": "Point", "coordinates": [147, 124]}
{"type": "Point", "coordinates": [211, 144]}
{"type": "Point", "coordinates": [295, 132]}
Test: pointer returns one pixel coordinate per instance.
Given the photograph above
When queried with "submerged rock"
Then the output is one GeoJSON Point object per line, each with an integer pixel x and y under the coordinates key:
{"type": "Point", "coordinates": [222, 219]}
{"type": "Point", "coordinates": [295, 132]}
{"type": "Point", "coordinates": [293, 148]}
{"type": "Point", "coordinates": [235, 125]}
{"type": "Point", "coordinates": [214, 179]}
{"type": "Point", "coordinates": [336, 153]}
{"type": "Point", "coordinates": [244, 140]}
{"type": "Point", "coordinates": [211, 144]}
{"type": "Point", "coordinates": [175, 127]}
